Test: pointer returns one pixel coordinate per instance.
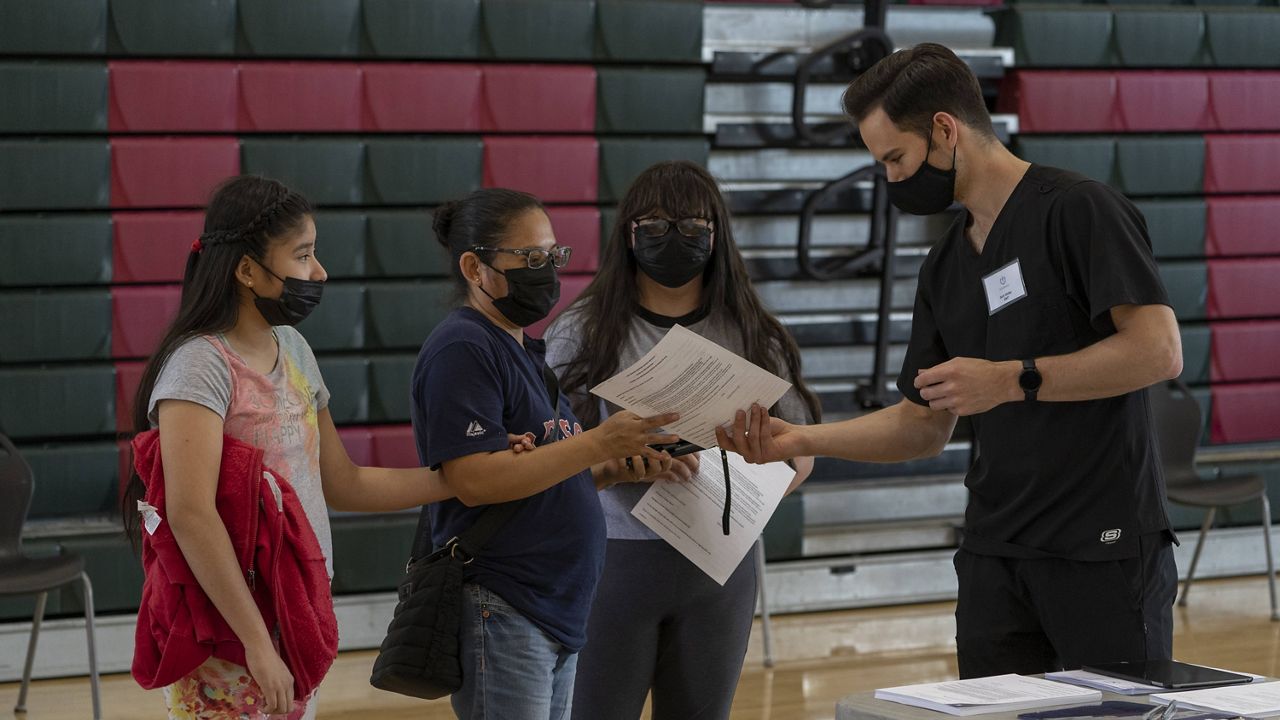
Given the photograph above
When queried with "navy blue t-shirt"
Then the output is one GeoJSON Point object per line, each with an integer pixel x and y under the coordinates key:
{"type": "Point", "coordinates": [472, 385]}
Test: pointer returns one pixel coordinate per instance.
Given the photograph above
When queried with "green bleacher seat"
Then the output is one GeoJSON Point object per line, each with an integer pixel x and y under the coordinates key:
{"type": "Point", "coordinates": [113, 568]}
{"type": "Point", "coordinates": [369, 552]}
{"type": "Point", "coordinates": [1187, 285]}
{"type": "Point", "coordinates": [401, 243]}
{"type": "Point", "coordinates": [340, 242]}
{"type": "Point", "coordinates": [417, 29]}
{"type": "Point", "coordinates": [1160, 165]}
{"type": "Point", "coordinates": [300, 28]}
{"type": "Point", "coordinates": [1196, 345]}
{"type": "Point", "coordinates": [57, 401]}
{"type": "Point", "coordinates": [53, 97]}
{"type": "Point", "coordinates": [1204, 397]}
{"type": "Point", "coordinates": [1161, 37]}
{"type": "Point", "coordinates": [648, 99]}
{"type": "Point", "coordinates": [43, 27]}
{"type": "Point", "coordinates": [348, 381]}
{"type": "Point", "coordinates": [422, 170]}
{"type": "Point", "coordinates": [1092, 157]}
{"type": "Point", "coordinates": [172, 28]}
{"type": "Point", "coordinates": [1176, 227]}
{"type": "Point", "coordinates": [1047, 36]}
{"type": "Point", "coordinates": [402, 314]}
{"type": "Point", "coordinates": [55, 250]}
{"type": "Point", "coordinates": [608, 216]}
{"type": "Point", "coordinates": [338, 324]}
{"type": "Point", "coordinates": [1242, 37]}
{"type": "Point", "coordinates": [389, 387]}
{"type": "Point", "coordinates": [57, 174]}
{"type": "Point", "coordinates": [74, 479]}
{"type": "Point", "coordinates": [649, 30]}
{"type": "Point", "coordinates": [540, 29]}
{"type": "Point", "coordinates": [45, 325]}
{"type": "Point", "coordinates": [622, 159]}
{"type": "Point", "coordinates": [328, 171]}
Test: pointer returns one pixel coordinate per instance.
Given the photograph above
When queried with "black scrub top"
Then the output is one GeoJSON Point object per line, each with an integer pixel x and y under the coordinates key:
{"type": "Point", "coordinates": [1075, 480]}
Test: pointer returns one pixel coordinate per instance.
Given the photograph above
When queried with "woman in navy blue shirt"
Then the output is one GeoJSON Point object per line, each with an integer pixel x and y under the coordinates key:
{"type": "Point", "coordinates": [478, 378]}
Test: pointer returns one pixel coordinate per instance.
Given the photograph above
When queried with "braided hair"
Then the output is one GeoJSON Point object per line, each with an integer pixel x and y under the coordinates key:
{"type": "Point", "coordinates": [245, 215]}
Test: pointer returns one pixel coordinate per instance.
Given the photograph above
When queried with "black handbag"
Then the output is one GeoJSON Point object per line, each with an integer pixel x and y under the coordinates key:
{"type": "Point", "coordinates": [419, 655]}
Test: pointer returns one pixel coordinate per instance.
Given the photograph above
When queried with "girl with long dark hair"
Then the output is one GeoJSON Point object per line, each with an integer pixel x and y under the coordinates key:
{"type": "Point", "coordinates": [658, 622]}
{"type": "Point", "coordinates": [231, 363]}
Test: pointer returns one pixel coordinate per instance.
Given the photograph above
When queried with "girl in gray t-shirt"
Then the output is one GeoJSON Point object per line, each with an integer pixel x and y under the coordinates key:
{"type": "Point", "coordinates": [232, 364]}
{"type": "Point", "coordinates": [658, 622]}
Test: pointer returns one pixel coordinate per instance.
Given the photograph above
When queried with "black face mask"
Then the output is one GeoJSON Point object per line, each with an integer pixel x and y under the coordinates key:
{"type": "Point", "coordinates": [930, 190]}
{"type": "Point", "coordinates": [673, 259]}
{"type": "Point", "coordinates": [295, 303]}
{"type": "Point", "coordinates": [531, 294]}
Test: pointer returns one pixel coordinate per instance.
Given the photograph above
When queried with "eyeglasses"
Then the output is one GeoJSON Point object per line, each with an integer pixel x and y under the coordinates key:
{"type": "Point", "coordinates": [690, 227]}
{"type": "Point", "coordinates": [535, 257]}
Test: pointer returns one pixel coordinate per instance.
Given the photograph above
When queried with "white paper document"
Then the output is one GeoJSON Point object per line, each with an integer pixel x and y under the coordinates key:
{"type": "Point", "coordinates": [688, 515]}
{"type": "Point", "coordinates": [1114, 684]}
{"type": "Point", "coordinates": [688, 374]}
{"type": "Point", "coordinates": [1254, 700]}
{"type": "Point", "coordinates": [1001, 693]}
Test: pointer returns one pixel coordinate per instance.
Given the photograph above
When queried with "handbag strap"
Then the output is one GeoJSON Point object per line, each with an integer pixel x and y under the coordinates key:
{"type": "Point", "coordinates": [475, 538]}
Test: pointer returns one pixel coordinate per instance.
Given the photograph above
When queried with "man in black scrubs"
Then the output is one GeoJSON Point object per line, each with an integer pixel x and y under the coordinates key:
{"type": "Point", "coordinates": [1042, 317]}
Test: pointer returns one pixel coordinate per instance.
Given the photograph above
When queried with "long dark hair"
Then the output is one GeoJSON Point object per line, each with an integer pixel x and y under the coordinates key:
{"type": "Point", "coordinates": [604, 310]}
{"type": "Point", "coordinates": [244, 216]}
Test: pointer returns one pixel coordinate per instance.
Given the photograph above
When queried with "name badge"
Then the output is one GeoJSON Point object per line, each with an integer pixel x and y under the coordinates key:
{"type": "Point", "coordinates": [1004, 287]}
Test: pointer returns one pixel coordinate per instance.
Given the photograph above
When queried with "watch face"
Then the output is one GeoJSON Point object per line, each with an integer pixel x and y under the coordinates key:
{"type": "Point", "coordinates": [1030, 379]}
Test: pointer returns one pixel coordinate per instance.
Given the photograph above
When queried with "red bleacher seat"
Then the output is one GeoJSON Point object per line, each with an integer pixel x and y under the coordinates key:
{"type": "Point", "coordinates": [1245, 351]}
{"type": "Point", "coordinates": [393, 446]}
{"type": "Point", "coordinates": [1248, 412]}
{"type": "Point", "coordinates": [1242, 226]}
{"type": "Point", "coordinates": [556, 169]}
{"type": "Point", "coordinates": [418, 97]}
{"type": "Point", "coordinates": [1061, 100]}
{"type": "Point", "coordinates": [359, 444]}
{"type": "Point", "coordinates": [1153, 101]}
{"type": "Point", "coordinates": [169, 172]}
{"type": "Point", "coordinates": [1243, 288]}
{"type": "Point", "coordinates": [304, 97]}
{"type": "Point", "coordinates": [571, 286]}
{"type": "Point", "coordinates": [1246, 100]}
{"type": "Point", "coordinates": [139, 318]}
{"type": "Point", "coordinates": [168, 96]}
{"type": "Point", "coordinates": [539, 98]}
{"type": "Point", "coordinates": [1242, 164]}
{"type": "Point", "coordinates": [579, 228]}
{"type": "Point", "coordinates": [151, 247]}
{"type": "Point", "coordinates": [128, 377]}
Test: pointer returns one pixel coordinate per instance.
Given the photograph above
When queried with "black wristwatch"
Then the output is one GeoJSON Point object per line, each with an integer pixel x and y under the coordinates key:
{"type": "Point", "coordinates": [1029, 379]}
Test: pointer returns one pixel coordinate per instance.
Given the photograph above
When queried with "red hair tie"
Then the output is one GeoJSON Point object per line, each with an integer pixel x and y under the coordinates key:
{"type": "Point", "coordinates": [197, 246]}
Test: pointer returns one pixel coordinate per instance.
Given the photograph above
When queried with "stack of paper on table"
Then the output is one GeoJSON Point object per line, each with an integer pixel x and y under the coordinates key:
{"type": "Point", "coordinates": [1254, 700]}
{"type": "Point", "coordinates": [1001, 693]}
{"type": "Point", "coordinates": [1113, 684]}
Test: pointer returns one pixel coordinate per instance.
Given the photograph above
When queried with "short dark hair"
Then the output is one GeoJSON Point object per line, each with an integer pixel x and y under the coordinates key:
{"type": "Point", "coordinates": [481, 218]}
{"type": "Point", "coordinates": [913, 84]}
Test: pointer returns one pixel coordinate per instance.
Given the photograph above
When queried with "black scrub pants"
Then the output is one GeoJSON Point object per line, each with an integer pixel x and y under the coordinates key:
{"type": "Point", "coordinates": [1035, 616]}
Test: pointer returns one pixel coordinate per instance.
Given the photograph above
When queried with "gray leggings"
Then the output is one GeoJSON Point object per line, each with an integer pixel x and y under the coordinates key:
{"type": "Point", "coordinates": [659, 622]}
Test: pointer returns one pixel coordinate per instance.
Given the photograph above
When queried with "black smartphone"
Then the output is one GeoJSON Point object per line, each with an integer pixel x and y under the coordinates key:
{"type": "Point", "coordinates": [676, 449]}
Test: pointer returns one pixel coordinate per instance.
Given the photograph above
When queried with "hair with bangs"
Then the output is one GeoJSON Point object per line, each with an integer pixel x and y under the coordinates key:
{"type": "Point", "coordinates": [676, 189]}
{"type": "Point", "coordinates": [914, 84]}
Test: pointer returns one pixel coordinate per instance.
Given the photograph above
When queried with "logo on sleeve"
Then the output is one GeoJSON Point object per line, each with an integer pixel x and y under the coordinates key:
{"type": "Point", "coordinates": [1110, 536]}
{"type": "Point", "coordinates": [475, 429]}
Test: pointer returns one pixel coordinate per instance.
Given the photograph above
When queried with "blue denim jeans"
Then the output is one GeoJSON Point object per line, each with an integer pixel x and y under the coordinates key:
{"type": "Point", "coordinates": [511, 669]}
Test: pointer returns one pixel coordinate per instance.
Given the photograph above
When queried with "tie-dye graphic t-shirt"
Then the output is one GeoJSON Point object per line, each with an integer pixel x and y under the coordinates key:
{"type": "Point", "coordinates": [276, 412]}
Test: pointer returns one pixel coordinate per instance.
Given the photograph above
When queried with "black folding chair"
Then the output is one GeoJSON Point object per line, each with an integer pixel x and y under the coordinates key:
{"type": "Point", "coordinates": [21, 575]}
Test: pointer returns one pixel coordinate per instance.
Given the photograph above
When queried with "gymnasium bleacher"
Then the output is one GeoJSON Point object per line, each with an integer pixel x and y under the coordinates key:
{"type": "Point", "coordinates": [120, 115]}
